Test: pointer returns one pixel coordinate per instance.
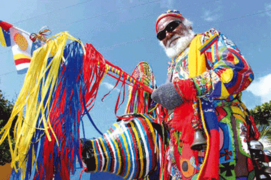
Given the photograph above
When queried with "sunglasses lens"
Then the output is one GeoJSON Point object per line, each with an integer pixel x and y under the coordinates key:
{"type": "Point", "coordinates": [169, 28]}
{"type": "Point", "coordinates": [161, 35]}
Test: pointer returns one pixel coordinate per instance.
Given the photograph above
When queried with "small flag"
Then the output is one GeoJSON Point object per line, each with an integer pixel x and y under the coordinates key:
{"type": "Point", "coordinates": [21, 44]}
{"type": "Point", "coordinates": [4, 33]}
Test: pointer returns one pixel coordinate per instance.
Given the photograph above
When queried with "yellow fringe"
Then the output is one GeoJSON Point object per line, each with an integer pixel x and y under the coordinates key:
{"type": "Point", "coordinates": [27, 101]}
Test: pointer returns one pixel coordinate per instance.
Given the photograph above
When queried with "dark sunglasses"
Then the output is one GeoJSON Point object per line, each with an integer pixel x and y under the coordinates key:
{"type": "Point", "coordinates": [169, 28]}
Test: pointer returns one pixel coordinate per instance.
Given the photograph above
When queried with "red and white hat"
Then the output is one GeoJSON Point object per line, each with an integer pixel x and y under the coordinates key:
{"type": "Point", "coordinates": [174, 13]}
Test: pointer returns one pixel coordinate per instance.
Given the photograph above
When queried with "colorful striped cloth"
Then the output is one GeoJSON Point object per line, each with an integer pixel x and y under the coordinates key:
{"type": "Point", "coordinates": [130, 150]}
{"type": "Point", "coordinates": [21, 44]}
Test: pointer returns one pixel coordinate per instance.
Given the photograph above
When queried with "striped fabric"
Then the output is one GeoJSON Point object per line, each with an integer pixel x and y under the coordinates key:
{"type": "Point", "coordinates": [126, 149]}
{"type": "Point", "coordinates": [21, 44]}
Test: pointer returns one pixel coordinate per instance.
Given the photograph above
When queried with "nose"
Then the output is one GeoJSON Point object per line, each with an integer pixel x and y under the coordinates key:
{"type": "Point", "coordinates": [168, 36]}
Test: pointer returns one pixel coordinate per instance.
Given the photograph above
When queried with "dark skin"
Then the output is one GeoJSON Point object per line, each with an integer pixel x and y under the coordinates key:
{"type": "Point", "coordinates": [180, 30]}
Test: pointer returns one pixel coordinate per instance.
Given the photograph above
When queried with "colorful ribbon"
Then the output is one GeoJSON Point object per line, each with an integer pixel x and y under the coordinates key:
{"type": "Point", "coordinates": [114, 69]}
{"type": "Point", "coordinates": [41, 36]}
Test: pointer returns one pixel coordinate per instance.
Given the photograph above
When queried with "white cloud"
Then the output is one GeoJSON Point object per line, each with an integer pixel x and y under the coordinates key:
{"type": "Point", "coordinates": [210, 16]}
{"type": "Point", "coordinates": [268, 9]}
{"type": "Point", "coordinates": [262, 88]}
{"type": "Point", "coordinates": [110, 86]}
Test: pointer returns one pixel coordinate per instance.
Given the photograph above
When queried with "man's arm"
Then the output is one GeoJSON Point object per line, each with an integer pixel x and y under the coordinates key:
{"type": "Point", "coordinates": [228, 72]}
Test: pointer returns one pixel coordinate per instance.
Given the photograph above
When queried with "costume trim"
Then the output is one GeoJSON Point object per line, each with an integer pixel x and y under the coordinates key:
{"type": "Point", "coordinates": [208, 43]}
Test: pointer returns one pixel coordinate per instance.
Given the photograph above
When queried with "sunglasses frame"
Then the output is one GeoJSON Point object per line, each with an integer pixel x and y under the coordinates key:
{"type": "Point", "coordinates": [167, 29]}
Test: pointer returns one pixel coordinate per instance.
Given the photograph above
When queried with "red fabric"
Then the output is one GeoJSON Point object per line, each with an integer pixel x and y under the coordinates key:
{"type": "Point", "coordinates": [184, 112]}
{"type": "Point", "coordinates": [211, 169]}
{"type": "Point", "coordinates": [266, 159]}
{"type": "Point", "coordinates": [22, 60]}
{"type": "Point", "coordinates": [162, 116]}
{"type": "Point", "coordinates": [257, 134]}
{"type": "Point", "coordinates": [186, 89]}
{"type": "Point", "coordinates": [182, 121]}
{"type": "Point", "coordinates": [250, 165]}
{"type": "Point", "coordinates": [5, 25]}
{"type": "Point", "coordinates": [94, 67]}
{"type": "Point", "coordinates": [164, 174]}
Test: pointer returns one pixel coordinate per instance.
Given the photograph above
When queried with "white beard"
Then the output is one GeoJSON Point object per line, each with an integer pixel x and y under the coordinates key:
{"type": "Point", "coordinates": [180, 45]}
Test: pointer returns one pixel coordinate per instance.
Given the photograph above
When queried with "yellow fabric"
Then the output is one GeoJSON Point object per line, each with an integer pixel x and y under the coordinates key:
{"type": "Point", "coordinates": [95, 157]}
{"type": "Point", "coordinates": [224, 92]}
{"type": "Point", "coordinates": [196, 61]}
{"type": "Point", "coordinates": [118, 168]}
{"type": "Point", "coordinates": [20, 56]}
{"type": "Point", "coordinates": [227, 76]}
{"type": "Point", "coordinates": [27, 101]}
{"type": "Point", "coordinates": [126, 149]}
{"type": "Point", "coordinates": [2, 38]}
{"type": "Point", "coordinates": [140, 149]}
{"type": "Point", "coordinates": [105, 152]}
{"type": "Point", "coordinates": [196, 66]}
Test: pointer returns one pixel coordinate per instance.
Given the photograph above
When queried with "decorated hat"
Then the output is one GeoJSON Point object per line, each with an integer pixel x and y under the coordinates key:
{"type": "Point", "coordinates": [174, 13]}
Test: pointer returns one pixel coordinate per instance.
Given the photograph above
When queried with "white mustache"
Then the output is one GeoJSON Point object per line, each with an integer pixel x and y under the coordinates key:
{"type": "Point", "coordinates": [171, 39]}
{"type": "Point", "coordinates": [180, 45]}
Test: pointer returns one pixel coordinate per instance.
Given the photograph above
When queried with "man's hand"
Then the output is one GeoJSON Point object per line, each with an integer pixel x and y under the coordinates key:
{"type": "Point", "coordinates": [167, 96]}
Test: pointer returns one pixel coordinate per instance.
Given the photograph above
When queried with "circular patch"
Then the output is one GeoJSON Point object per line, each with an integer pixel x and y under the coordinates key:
{"type": "Point", "coordinates": [185, 166]}
{"type": "Point", "coordinates": [187, 169]}
{"type": "Point", "coordinates": [20, 41]}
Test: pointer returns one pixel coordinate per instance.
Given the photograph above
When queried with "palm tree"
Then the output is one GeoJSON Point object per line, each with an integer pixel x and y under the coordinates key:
{"type": "Point", "coordinates": [262, 117]}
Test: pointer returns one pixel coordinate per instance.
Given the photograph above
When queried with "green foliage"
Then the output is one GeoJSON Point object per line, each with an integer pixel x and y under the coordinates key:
{"type": "Point", "coordinates": [262, 113]}
{"type": "Point", "coordinates": [265, 131]}
{"type": "Point", "coordinates": [5, 111]}
{"type": "Point", "coordinates": [262, 117]}
{"type": "Point", "coordinates": [4, 150]}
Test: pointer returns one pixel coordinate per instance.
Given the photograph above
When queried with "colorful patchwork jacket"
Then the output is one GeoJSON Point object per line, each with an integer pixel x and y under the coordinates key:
{"type": "Point", "coordinates": [218, 89]}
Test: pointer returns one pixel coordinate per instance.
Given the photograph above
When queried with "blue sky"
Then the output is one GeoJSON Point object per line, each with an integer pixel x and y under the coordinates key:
{"type": "Point", "coordinates": [123, 31]}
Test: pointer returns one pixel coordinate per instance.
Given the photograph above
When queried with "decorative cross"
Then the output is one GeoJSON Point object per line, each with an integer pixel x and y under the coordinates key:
{"type": "Point", "coordinates": [227, 154]}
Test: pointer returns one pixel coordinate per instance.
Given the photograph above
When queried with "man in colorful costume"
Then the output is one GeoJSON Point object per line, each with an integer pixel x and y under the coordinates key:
{"type": "Point", "coordinates": [205, 78]}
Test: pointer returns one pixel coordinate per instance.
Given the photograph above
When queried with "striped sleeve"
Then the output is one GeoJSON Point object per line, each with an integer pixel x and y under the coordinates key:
{"type": "Point", "coordinates": [228, 72]}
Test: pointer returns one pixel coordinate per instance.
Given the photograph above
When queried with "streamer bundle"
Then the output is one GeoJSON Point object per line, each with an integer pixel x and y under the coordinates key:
{"type": "Point", "coordinates": [62, 82]}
